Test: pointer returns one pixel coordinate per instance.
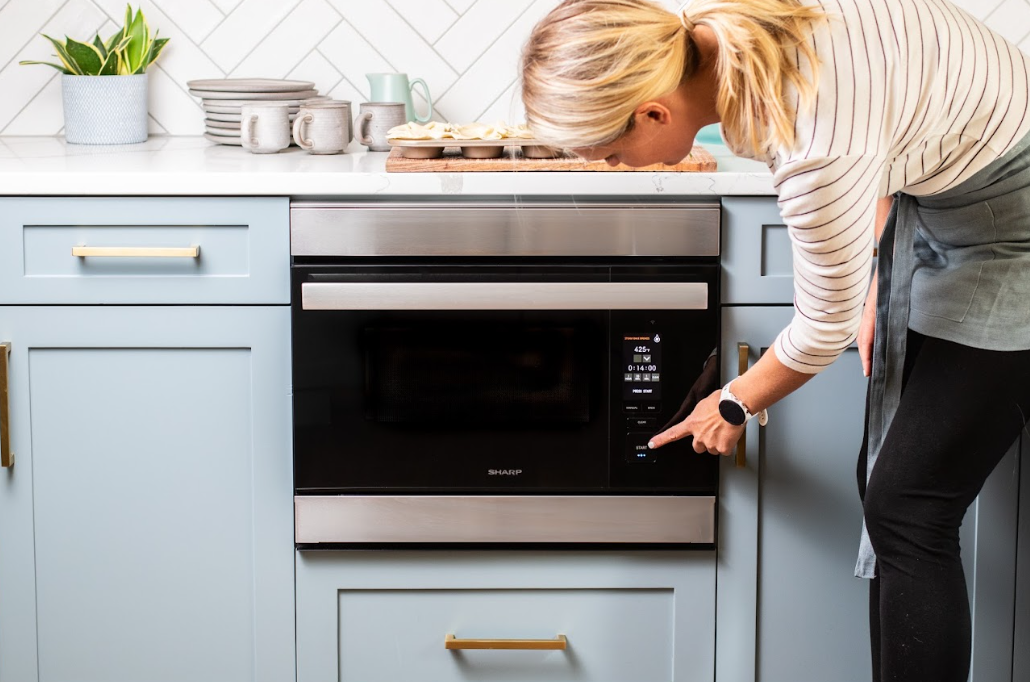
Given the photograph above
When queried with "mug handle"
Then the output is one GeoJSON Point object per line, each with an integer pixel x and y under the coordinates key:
{"type": "Point", "coordinates": [248, 127]}
{"type": "Point", "coordinates": [429, 98]}
{"type": "Point", "coordinates": [363, 135]}
{"type": "Point", "coordinates": [298, 131]}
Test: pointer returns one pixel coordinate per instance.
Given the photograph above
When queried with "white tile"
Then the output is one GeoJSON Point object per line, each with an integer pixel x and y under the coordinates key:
{"type": "Point", "coordinates": [346, 90]}
{"type": "Point", "coordinates": [429, 17]}
{"type": "Point", "coordinates": [463, 5]}
{"type": "Point", "coordinates": [978, 8]}
{"type": "Point", "coordinates": [507, 107]}
{"type": "Point", "coordinates": [244, 29]}
{"type": "Point", "coordinates": [20, 21]}
{"type": "Point", "coordinates": [398, 43]}
{"type": "Point", "coordinates": [174, 109]}
{"type": "Point", "coordinates": [21, 83]}
{"type": "Point", "coordinates": [318, 70]}
{"type": "Point", "coordinates": [181, 59]}
{"type": "Point", "coordinates": [197, 18]}
{"type": "Point", "coordinates": [353, 56]}
{"type": "Point", "coordinates": [44, 115]}
{"type": "Point", "coordinates": [495, 70]}
{"type": "Point", "coordinates": [226, 5]}
{"type": "Point", "coordinates": [155, 128]}
{"type": "Point", "coordinates": [1011, 20]}
{"type": "Point", "coordinates": [468, 38]}
{"type": "Point", "coordinates": [289, 42]}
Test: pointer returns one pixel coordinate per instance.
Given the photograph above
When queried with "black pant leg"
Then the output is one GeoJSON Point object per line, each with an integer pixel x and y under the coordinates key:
{"type": "Point", "coordinates": [960, 411]}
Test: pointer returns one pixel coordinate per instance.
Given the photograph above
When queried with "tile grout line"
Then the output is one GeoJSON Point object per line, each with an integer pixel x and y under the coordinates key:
{"type": "Point", "coordinates": [31, 100]}
{"type": "Point", "coordinates": [35, 33]}
{"type": "Point", "coordinates": [492, 43]}
{"type": "Point", "coordinates": [424, 40]}
{"type": "Point", "coordinates": [254, 49]}
{"type": "Point", "coordinates": [340, 76]}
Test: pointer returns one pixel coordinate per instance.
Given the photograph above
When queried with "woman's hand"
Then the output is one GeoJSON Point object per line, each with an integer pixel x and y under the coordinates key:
{"type": "Point", "coordinates": [711, 432]}
{"type": "Point", "coordinates": [867, 331]}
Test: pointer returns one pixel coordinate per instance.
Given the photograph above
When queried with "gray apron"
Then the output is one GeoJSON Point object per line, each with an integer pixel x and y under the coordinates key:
{"type": "Point", "coordinates": [954, 266]}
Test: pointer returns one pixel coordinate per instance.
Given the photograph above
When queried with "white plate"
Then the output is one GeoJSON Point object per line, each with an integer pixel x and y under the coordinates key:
{"type": "Point", "coordinates": [222, 132]}
{"type": "Point", "coordinates": [231, 118]}
{"type": "Point", "coordinates": [222, 125]}
{"type": "Point", "coordinates": [249, 85]}
{"type": "Point", "coordinates": [234, 141]}
{"type": "Point", "coordinates": [254, 96]}
{"type": "Point", "coordinates": [228, 107]}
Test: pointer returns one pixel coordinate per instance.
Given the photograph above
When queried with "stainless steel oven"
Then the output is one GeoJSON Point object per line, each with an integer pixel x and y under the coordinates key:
{"type": "Point", "coordinates": [491, 372]}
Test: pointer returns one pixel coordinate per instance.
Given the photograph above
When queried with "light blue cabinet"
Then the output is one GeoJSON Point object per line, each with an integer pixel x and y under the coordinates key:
{"type": "Point", "coordinates": [790, 608]}
{"type": "Point", "coordinates": [384, 616]}
{"type": "Point", "coordinates": [146, 525]}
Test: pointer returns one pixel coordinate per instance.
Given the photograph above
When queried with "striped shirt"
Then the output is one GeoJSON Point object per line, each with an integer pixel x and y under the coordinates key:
{"type": "Point", "coordinates": [914, 96]}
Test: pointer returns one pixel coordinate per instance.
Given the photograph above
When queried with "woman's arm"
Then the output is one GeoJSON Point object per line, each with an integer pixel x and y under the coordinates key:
{"type": "Point", "coordinates": [767, 382]}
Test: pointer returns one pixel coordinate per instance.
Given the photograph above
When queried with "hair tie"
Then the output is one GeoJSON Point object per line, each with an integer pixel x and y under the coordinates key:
{"type": "Point", "coordinates": [682, 11]}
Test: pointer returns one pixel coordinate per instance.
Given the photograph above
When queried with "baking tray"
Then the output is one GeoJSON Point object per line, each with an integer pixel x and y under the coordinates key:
{"type": "Point", "coordinates": [475, 149]}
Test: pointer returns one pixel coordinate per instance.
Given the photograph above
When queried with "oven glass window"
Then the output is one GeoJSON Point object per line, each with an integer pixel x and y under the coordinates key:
{"type": "Point", "coordinates": [452, 374]}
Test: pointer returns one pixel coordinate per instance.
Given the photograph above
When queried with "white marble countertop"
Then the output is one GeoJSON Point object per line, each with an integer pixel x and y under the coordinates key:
{"type": "Point", "coordinates": [192, 166]}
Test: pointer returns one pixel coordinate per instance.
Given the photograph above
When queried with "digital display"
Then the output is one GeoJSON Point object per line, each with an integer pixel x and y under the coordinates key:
{"type": "Point", "coordinates": [642, 366]}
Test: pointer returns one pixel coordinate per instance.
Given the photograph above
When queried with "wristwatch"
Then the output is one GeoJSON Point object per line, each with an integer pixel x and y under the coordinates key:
{"type": "Point", "coordinates": [734, 411]}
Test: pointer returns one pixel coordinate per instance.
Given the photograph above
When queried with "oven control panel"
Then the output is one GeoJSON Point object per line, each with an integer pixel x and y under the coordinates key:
{"type": "Point", "coordinates": [642, 373]}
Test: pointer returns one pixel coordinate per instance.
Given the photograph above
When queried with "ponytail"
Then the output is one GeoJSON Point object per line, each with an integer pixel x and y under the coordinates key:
{"type": "Point", "coordinates": [755, 62]}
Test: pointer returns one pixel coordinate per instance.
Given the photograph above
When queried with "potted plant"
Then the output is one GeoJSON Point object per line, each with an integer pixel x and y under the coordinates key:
{"type": "Point", "coordinates": [104, 83]}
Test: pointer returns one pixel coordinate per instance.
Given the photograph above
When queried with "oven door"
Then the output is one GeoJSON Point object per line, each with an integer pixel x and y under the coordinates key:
{"type": "Point", "coordinates": [480, 379]}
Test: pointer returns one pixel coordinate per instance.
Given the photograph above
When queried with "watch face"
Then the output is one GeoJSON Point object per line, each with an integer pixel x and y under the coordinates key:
{"type": "Point", "coordinates": [731, 412]}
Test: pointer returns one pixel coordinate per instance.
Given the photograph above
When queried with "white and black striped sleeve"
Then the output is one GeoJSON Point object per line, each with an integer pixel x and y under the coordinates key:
{"type": "Point", "coordinates": [829, 207]}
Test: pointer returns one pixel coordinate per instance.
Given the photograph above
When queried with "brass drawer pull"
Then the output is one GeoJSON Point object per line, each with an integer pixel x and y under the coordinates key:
{"type": "Point", "coordinates": [559, 643]}
{"type": "Point", "coordinates": [136, 252]}
{"type": "Point", "coordinates": [6, 456]}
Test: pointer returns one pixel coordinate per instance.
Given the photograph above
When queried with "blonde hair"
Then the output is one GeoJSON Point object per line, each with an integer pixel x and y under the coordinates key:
{"type": "Point", "coordinates": [589, 63]}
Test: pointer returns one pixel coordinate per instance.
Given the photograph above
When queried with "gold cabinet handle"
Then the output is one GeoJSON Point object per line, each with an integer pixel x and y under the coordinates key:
{"type": "Point", "coordinates": [743, 360]}
{"type": "Point", "coordinates": [559, 643]}
{"type": "Point", "coordinates": [136, 251]}
{"type": "Point", "coordinates": [6, 456]}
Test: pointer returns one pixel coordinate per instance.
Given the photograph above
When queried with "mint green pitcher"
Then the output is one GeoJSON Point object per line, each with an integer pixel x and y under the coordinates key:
{"type": "Point", "coordinates": [394, 87]}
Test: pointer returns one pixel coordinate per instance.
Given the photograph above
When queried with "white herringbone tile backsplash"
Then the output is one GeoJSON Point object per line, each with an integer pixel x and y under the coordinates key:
{"type": "Point", "coordinates": [466, 50]}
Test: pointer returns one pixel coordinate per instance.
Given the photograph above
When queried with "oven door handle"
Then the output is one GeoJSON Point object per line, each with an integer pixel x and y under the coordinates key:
{"type": "Point", "coordinates": [504, 296]}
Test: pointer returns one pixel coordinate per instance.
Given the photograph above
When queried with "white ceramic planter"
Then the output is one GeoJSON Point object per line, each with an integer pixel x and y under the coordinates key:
{"type": "Point", "coordinates": [105, 109]}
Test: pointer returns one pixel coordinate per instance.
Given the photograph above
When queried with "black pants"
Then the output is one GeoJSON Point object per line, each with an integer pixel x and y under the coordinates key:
{"type": "Point", "coordinates": [961, 409]}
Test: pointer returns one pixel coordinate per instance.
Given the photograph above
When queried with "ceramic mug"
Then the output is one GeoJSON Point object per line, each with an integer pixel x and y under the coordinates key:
{"type": "Point", "coordinates": [322, 127]}
{"type": "Point", "coordinates": [265, 127]}
{"type": "Point", "coordinates": [375, 120]}
{"type": "Point", "coordinates": [327, 102]}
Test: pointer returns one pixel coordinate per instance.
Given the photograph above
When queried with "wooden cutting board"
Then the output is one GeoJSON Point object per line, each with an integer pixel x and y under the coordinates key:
{"type": "Point", "coordinates": [699, 161]}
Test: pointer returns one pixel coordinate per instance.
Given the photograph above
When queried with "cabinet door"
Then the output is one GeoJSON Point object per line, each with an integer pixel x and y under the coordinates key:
{"type": "Point", "coordinates": [385, 616]}
{"type": "Point", "coordinates": [789, 525]}
{"type": "Point", "coordinates": [146, 524]}
{"type": "Point", "coordinates": [790, 608]}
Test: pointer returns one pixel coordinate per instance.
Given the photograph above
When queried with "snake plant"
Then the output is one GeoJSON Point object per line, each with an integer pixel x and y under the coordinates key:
{"type": "Point", "coordinates": [128, 52]}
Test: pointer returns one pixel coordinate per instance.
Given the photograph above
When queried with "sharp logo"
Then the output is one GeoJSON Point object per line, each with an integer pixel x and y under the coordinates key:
{"type": "Point", "coordinates": [504, 472]}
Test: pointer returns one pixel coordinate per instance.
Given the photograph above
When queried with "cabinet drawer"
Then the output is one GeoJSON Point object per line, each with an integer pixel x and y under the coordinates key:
{"type": "Point", "coordinates": [756, 257]}
{"type": "Point", "coordinates": [377, 619]}
{"type": "Point", "coordinates": [144, 250]}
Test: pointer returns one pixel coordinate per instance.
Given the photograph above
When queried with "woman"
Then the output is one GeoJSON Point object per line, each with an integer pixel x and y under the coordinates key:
{"type": "Point", "coordinates": [849, 102]}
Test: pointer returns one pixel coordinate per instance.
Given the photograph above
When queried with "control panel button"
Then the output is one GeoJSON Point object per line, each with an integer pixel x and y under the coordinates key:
{"type": "Point", "coordinates": [652, 407]}
{"type": "Point", "coordinates": [632, 408]}
{"type": "Point", "coordinates": [637, 450]}
{"type": "Point", "coordinates": [636, 423]}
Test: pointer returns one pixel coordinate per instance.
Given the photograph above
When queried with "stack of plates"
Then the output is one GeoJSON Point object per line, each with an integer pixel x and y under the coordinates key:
{"type": "Point", "coordinates": [223, 100]}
